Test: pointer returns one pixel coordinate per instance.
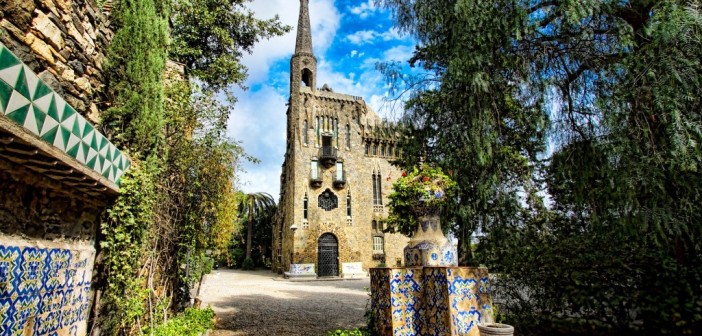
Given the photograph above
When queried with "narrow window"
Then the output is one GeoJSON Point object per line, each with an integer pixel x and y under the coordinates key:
{"type": "Point", "coordinates": [375, 226]}
{"type": "Point", "coordinates": [348, 205]}
{"type": "Point", "coordinates": [375, 190]}
{"type": "Point", "coordinates": [316, 127]}
{"type": "Point", "coordinates": [380, 191]}
{"type": "Point", "coordinates": [390, 150]}
{"type": "Point", "coordinates": [348, 136]}
{"type": "Point", "coordinates": [339, 171]}
{"type": "Point", "coordinates": [377, 194]}
{"type": "Point", "coordinates": [336, 132]}
{"type": "Point", "coordinates": [305, 203]}
{"type": "Point", "coordinates": [304, 132]}
{"type": "Point", "coordinates": [375, 149]}
{"type": "Point", "coordinates": [382, 150]}
{"type": "Point", "coordinates": [367, 148]}
{"type": "Point", "coordinates": [378, 247]}
{"type": "Point", "coordinates": [314, 171]}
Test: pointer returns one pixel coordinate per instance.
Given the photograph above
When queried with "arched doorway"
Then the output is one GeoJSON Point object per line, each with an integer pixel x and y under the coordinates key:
{"type": "Point", "coordinates": [328, 255]}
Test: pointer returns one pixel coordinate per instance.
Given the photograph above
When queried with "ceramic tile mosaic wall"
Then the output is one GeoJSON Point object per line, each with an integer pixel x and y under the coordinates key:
{"type": "Point", "coordinates": [426, 301]}
{"type": "Point", "coordinates": [44, 291]}
{"type": "Point", "coordinates": [29, 102]}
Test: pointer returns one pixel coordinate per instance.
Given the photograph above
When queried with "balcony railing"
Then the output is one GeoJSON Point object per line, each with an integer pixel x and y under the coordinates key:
{"type": "Point", "coordinates": [328, 156]}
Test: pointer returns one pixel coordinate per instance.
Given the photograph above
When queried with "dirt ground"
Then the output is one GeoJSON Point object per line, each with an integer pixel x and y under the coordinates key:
{"type": "Point", "coordinates": [261, 303]}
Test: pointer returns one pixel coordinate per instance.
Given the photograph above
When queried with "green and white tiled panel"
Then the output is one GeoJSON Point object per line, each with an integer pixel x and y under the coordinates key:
{"type": "Point", "coordinates": [29, 102]}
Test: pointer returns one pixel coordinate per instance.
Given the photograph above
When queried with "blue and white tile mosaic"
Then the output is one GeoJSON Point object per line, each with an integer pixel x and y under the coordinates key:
{"type": "Point", "coordinates": [45, 286]}
{"type": "Point", "coordinates": [424, 301]}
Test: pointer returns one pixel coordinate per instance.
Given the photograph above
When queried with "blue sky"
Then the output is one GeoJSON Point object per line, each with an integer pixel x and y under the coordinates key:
{"type": "Point", "coordinates": [349, 38]}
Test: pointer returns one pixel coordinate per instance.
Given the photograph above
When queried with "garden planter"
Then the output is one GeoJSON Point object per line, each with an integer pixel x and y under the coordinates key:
{"type": "Point", "coordinates": [495, 329]}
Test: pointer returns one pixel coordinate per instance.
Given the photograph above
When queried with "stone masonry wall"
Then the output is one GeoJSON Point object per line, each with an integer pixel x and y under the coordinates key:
{"type": "Point", "coordinates": [64, 42]}
{"type": "Point", "coordinates": [47, 230]}
{"type": "Point", "coordinates": [354, 234]}
{"type": "Point", "coordinates": [47, 250]}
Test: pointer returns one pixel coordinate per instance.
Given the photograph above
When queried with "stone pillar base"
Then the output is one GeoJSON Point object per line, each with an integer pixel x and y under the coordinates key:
{"type": "Point", "coordinates": [430, 300]}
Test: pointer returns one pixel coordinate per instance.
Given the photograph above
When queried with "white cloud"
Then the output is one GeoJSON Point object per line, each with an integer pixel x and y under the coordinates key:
{"type": "Point", "coordinates": [259, 122]}
{"type": "Point", "coordinates": [362, 37]}
{"type": "Point", "coordinates": [400, 53]}
{"type": "Point", "coordinates": [354, 52]}
{"type": "Point", "coordinates": [365, 9]}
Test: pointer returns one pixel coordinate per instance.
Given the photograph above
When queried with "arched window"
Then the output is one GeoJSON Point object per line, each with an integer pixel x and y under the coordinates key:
{"type": "Point", "coordinates": [305, 138]}
{"type": "Point", "coordinates": [377, 190]}
{"type": "Point", "coordinates": [317, 127]}
{"type": "Point", "coordinates": [348, 136]}
{"type": "Point", "coordinates": [382, 150]}
{"type": "Point", "coordinates": [336, 131]}
{"type": "Point", "coordinates": [367, 148]}
{"type": "Point", "coordinates": [305, 204]}
{"type": "Point", "coordinates": [390, 150]}
{"type": "Point", "coordinates": [375, 226]}
{"type": "Point", "coordinates": [375, 149]}
{"type": "Point", "coordinates": [307, 78]}
{"type": "Point", "coordinates": [348, 205]}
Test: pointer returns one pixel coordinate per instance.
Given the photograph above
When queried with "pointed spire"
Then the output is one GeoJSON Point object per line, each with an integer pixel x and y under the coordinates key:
{"type": "Point", "coordinates": [304, 32]}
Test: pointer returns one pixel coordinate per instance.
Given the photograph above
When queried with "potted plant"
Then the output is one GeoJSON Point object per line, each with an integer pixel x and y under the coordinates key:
{"type": "Point", "coordinates": [415, 206]}
{"type": "Point", "coordinates": [420, 192]}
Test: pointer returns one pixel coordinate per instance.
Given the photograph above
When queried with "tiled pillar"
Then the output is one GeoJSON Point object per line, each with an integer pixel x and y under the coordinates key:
{"type": "Point", "coordinates": [430, 300]}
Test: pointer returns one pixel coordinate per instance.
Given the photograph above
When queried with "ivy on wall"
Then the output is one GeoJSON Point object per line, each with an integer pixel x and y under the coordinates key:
{"type": "Point", "coordinates": [179, 198]}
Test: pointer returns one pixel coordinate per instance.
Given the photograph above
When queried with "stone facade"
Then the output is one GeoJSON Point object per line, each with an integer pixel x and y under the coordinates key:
{"type": "Point", "coordinates": [353, 150]}
{"type": "Point", "coordinates": [65, 43]}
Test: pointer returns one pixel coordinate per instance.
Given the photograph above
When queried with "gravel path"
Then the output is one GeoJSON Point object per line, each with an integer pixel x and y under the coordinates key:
{"type": "Point", "coordinates": [260, 303]}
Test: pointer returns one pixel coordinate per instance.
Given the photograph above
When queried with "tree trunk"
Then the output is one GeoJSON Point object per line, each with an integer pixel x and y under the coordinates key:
{"type": "Point", "coordinates": [249, 236]}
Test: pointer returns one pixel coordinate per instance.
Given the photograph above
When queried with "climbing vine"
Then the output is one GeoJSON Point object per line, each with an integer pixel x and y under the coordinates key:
{"type": "Point", "coordinates": [178, 200]}
{"type": "Point", "coordinates": [125, 230]}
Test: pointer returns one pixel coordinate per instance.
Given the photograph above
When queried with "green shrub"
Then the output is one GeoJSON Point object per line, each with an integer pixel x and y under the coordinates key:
{"type": "Point", "coordinates": [192, 322]}
{"type": "Point", "coordinates": [248, 264]}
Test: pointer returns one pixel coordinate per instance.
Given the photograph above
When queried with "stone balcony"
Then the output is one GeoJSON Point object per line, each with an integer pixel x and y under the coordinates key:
{"type": "Point", "coordinates": [328, 156]}
{"type": "Point", "coordinates": [315, 179]}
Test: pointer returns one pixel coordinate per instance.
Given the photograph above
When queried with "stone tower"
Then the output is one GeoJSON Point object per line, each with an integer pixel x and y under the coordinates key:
{"type": "Point", "coordinates": [336, 177]}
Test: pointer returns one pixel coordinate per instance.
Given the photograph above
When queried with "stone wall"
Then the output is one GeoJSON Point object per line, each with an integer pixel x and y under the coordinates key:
{"type": "Point", "coordinates": [64, 42]}
{"type": "Point", "coordinates": [47, 250]}
{"type": "Point", "coordinates": [355, 233]}
{"type": "Point", "coordinates": [48, 229]}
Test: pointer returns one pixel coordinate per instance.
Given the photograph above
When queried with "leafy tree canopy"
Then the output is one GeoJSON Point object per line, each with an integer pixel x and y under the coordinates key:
{"type": "Point", "coordinates": [593, 103]}
{"type": "Point", "coordinates": [210, 36]}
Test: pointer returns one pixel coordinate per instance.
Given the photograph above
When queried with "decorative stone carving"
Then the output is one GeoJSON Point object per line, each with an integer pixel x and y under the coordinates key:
{"type": "Point", "coordinates": [328, 201]}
